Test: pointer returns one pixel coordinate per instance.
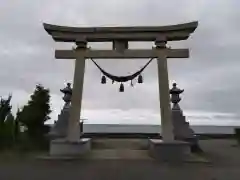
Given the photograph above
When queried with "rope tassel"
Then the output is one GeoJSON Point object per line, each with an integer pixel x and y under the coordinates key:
{"type": "Point", "coordinates": [121, 89]}
{"type": "Point", "coordinates": [103, 80]}
{"type": "Point", "coordinates": [140, 79]}
{"type": "Point", "coordinates": [131, 83]}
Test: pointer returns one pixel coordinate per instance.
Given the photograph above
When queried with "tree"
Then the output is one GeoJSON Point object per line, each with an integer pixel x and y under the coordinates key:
{"type": "Point", "coordinates": [6, 122]}
{"type": "Point", "coordinates": [35, 113]}
{"type": "Point", "coordinates": [5, 109]}
{"type": "Point", "coordinates": [16, 130]}
{"type": "Point", "coordinates": [9, 130]}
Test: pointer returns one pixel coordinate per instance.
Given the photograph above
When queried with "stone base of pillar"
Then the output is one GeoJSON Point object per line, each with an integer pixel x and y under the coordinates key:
{"type": "Point", "coordinates": [174, 151]}
{"type": "Point", "coordinates": [62, 147]}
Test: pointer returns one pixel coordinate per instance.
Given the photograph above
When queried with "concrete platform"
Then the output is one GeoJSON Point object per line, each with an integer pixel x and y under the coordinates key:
{"type": "Point", "coordinates": [224, 157]}
{"type": "Point", "coordinates": [119, 149]}
{"type": "Point", "coordinates": [169, 151]}
{"type": "Point", "coordinates": [62, 147]}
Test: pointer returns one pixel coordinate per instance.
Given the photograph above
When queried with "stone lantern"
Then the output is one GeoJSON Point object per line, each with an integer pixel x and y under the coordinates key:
{"type": "Point", "coordinates": [181, 128]}
{"type": "Point", "coordinates": [175, 96]}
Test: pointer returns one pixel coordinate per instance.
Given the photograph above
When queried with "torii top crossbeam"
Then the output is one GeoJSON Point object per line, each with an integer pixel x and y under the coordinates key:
{"type": "Point", "coordinates": [134, 33]}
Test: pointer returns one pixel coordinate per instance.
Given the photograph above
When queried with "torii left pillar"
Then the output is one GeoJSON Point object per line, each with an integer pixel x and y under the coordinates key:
{"type": "Point", "coordinates": [76, 101]}
{"type": "Point", "coordinates": [73, 144]}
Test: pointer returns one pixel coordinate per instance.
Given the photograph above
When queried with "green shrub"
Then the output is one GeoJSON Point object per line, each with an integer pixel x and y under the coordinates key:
{"type": "Point", "coordinates": [237, 134]}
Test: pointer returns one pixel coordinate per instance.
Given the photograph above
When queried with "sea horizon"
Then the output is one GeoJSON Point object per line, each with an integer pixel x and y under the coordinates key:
{"type": "Point", "coordinates": [99, 121]}
{"type": "Point", "coordinates": [151, 128]}
{"type": "Point", "coordinates": [146, 116]}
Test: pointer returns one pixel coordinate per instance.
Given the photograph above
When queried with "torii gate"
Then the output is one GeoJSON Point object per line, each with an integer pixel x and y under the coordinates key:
{"type": "Point", "coordinates": [120, 36]}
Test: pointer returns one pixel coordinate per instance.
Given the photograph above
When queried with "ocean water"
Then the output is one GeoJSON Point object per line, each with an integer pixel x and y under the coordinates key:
{"type": "Point", "coordinates": [148, 116]}
{"type": "Point", "coordinates": [136, 128]}
{"type": "Point", "coordinates": [145, 121]}
{"type": "Point", "coordinates": [201, 124]}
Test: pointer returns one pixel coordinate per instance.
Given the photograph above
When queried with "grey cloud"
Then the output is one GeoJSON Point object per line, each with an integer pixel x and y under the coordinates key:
{"type": "Point", "coordinates": [27, 52]}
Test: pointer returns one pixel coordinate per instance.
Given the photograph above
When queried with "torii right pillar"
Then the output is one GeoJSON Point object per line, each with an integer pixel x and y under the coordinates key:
{"type": "Point", "coordinates": [166, 149]}
{"type": "Point", "coordinates": [163, 82]}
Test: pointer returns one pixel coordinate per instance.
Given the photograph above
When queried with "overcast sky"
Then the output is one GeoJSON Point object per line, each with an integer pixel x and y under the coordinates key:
{"type": "Point", "coordinates": [210, 76]}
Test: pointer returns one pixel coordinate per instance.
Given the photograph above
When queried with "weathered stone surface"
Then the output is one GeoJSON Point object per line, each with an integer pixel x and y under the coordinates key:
{"type": "Point", "coordinates": [102, 34]}
{"type": "Point", "coordinates": [62, 147]}
{"type": "Point", "coordinates": [59, 129]}
{"type": "Point", "coordinates": [181, 128]}
{"type": "Point", "coordinates": [134, 33]}
{"type": "Point", "coordinates": [169, 151]}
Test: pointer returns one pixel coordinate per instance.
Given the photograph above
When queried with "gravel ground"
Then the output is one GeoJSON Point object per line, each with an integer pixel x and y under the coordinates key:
{"type": "Point", "coordinates": [225, 157]}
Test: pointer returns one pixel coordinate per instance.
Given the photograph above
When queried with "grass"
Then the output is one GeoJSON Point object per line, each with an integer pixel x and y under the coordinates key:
{"type": "Point", "coordinates": [14, 155]}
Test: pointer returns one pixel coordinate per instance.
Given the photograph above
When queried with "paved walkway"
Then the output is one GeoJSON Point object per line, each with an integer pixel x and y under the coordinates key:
{"type": "Point", "coordinates": [120, 149]}
{"type": "Point", "coordinates": [226, 165]}
{"type": "Point", "coordinates": [134, 144]}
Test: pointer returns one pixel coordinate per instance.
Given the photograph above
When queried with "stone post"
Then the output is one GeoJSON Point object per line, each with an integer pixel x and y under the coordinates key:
{"type": "Point", "coordinates": [165, 107]}
{"type": "Point", "coordinates": [77, 91]}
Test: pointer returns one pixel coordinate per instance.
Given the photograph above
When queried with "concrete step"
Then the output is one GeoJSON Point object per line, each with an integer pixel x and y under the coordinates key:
{"type": "Point", "coordinates": [119, 154]}
{"type": "Point", "coordinates": [131, 144]}
{"type": "Point", "coordinates": [107, 148]}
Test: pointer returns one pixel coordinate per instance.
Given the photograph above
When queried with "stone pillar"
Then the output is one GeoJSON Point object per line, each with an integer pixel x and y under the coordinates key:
{"type": "Point", "coordinates": [77, 91]}
{"type": "Point", "coordinates": [165, 107]}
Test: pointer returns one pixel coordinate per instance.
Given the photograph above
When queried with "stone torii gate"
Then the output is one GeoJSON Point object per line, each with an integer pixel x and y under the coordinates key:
{"type": "Point", "coordinates": [120, 36]}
